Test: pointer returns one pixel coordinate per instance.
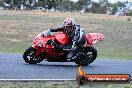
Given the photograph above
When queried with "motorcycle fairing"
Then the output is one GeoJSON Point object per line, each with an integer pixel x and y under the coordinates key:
{"type": "Point", "coordinates": [93, 38]}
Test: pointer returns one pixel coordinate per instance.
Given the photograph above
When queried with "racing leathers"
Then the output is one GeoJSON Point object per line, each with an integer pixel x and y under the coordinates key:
{"type": "Point", "coordinates": [77, 40]}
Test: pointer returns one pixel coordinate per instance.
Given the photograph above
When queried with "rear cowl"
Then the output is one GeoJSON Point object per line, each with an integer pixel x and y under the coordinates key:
{"type": "Point", "coordinates": [93, 38]}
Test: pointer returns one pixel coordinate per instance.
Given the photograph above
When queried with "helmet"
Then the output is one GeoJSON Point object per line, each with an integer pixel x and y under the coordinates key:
{"type": "Point", "coordinates": [69, 25]}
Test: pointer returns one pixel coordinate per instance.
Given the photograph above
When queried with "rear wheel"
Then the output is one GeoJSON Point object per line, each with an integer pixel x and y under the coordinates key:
{"type": "Point", "coordinates": [29, 56]}
{"type": "Point", "coordinates": [91, 53]}
{"type": "Point", "coordinates": [82, 59]}
{"type": "Point", "coordinates": [86, 58]}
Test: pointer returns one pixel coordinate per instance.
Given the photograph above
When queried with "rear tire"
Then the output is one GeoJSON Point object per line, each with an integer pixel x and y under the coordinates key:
{"type": "Point", "coordinates": [86, 58]}
{"type": "Point", "coordinates": [29, 56]}
{"type": "Point", "coordinates": [91, 53]}
{"type": "Point", "coordinates": [82, 59]}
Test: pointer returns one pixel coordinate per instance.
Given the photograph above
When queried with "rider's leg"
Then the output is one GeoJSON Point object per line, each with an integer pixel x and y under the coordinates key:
{"type": "Point", "coordinates": [73, 53]}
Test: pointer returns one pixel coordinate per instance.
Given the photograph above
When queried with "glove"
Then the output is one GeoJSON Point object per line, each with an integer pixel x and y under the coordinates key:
{"type": "Point", "coordinates": [59, 47]}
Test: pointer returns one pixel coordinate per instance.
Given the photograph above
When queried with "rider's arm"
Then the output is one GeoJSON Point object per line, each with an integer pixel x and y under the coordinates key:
{"type": "Point", "coordinates": [56, 30]}
{"type": "Point", "coordinates": [71, 45]}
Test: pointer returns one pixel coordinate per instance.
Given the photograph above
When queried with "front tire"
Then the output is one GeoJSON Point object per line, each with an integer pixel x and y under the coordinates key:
{"type": "Point", "coordinates": [29, 56]}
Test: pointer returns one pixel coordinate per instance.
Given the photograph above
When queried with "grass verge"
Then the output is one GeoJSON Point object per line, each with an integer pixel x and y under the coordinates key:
{"type": "Point", "coordinates": [66, 84]}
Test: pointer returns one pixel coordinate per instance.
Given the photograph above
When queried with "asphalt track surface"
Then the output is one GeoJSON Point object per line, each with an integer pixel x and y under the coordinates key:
{"type": "Point", "coordinates": [12, 66]}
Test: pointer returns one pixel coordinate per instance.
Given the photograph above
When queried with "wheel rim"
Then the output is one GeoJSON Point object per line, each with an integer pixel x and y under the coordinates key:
{"type": "Point", "coordinates": [90, 55]}
{"type": "Point", "coordinates": [32, 58]}
{"type": "Point", "coordinates": [83, 60]}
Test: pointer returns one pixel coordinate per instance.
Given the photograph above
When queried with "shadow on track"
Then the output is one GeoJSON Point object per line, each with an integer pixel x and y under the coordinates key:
{"type": "Point", "coordinates": [57, 65]}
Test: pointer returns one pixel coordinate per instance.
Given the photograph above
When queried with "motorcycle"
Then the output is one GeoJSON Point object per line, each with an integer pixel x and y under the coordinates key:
{"type": "Point", "coordinates": [43, 48]}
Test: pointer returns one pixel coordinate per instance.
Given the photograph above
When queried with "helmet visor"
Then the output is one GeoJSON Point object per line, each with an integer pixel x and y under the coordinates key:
{"type": "Point", "coordinates": [68, 29]}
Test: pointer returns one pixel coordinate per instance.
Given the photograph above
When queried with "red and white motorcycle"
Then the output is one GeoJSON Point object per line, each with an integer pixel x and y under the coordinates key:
{"type": "Point", "coordinates": [42, 50]}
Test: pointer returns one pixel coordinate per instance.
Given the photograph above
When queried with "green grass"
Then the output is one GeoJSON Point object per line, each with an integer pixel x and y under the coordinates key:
{"type": "Point", "coordinates": [120, 55]}
{"type": "Point", "coordinates": [45, 84]}
{"type": "Point", "coordinates": [65, 84]}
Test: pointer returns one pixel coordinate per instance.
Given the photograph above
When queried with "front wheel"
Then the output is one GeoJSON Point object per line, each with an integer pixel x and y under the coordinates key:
{"type": "Point", "coordinates": [29, 56]}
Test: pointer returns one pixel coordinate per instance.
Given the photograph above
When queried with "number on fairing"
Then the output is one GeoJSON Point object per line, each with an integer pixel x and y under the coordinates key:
{"type": "Point", "coordinates": [96, 39]}
{"type": "Point", "coordinates": [41, 43]}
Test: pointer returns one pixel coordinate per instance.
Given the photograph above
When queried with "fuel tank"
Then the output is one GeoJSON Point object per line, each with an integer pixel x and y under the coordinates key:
{"type": "Point", "coordinates": [62, 38]}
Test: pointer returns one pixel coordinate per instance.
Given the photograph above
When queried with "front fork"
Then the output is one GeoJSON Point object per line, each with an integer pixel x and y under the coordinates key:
{"type": "Point", "coordinates": [38, 50]}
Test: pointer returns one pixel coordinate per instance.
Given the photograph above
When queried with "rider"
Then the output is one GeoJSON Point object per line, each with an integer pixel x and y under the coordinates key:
{"type": "Point", "coordinates": [76, 34]}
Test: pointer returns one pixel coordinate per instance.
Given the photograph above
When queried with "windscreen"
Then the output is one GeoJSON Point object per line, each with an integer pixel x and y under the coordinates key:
{"type": "Point", "coordinates": [47, 33]}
